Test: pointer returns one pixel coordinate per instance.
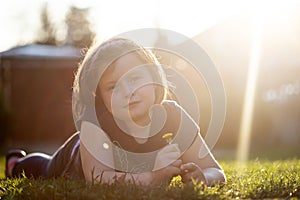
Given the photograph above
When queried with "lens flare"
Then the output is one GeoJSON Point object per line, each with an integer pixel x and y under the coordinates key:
{"type": "Point", "coordinates": [247, 113]}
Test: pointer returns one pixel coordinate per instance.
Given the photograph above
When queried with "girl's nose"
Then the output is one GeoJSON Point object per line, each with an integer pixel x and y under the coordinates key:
{"type": "Point", "coordinates": [127, 89]}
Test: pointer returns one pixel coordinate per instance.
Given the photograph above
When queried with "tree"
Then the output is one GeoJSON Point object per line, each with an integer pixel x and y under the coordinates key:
{"type": "Point", "coordinates": [48, 33]}
{"type": "Point", "coordinates": [79, 31]}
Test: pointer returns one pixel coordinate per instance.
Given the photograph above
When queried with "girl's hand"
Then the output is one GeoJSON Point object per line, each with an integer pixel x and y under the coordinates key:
{"type": "Point", "coordinates": [166, 156]}
{"type": "Point", "coordinates": [166, 165]}
{"type": "Point", "coordinates": [165, 175]}
{"type": "Point", "coordinates": [191, 171]}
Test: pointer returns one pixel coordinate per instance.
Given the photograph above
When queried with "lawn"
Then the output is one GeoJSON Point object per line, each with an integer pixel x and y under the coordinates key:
{"type": "Point", "coordinates": [257, 179]}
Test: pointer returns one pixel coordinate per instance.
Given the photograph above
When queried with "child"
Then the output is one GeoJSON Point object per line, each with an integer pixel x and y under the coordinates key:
{"type": "Point", "coordinates": [127, 88]}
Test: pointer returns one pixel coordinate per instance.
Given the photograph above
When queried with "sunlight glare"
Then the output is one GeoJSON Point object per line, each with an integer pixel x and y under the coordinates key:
{"type": "Point", "coordinates": [249, 98]}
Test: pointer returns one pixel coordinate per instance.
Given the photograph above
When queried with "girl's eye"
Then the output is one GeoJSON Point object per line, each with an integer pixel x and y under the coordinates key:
{"type": "Point", "coordinates": [135, 78]}
{"type": "Point", "coordinates": [110, 88]}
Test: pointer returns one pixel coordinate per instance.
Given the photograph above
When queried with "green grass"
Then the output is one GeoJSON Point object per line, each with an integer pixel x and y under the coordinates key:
{"type": "Point", "coordinates": [257, 179]}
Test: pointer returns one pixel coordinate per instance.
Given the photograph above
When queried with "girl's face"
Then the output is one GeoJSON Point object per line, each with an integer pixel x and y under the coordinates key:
{"type": "Point", "coordinates": [127, 89]}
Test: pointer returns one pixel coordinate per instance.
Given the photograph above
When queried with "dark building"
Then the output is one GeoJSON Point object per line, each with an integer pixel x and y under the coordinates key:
{"type": "Point", "coordinates": [36, 86]}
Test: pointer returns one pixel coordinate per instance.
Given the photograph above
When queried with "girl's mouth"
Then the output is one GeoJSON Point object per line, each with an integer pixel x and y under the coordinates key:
{"type": "Point", "coordinates": [133, 103]}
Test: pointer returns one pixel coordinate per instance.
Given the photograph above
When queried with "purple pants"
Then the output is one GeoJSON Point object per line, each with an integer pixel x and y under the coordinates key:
{"type": "Point", "coordinates": [64, 162]}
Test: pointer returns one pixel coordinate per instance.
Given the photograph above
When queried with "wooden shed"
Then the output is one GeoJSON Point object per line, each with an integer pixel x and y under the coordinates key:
{"type": "Point", "coordinates": [36, 83]}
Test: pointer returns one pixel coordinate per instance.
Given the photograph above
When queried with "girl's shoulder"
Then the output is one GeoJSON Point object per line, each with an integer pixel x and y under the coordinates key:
{"type": "Point", "coordinates": [171, 104]}
{"type": "Point", "coordinates": [175, 110]}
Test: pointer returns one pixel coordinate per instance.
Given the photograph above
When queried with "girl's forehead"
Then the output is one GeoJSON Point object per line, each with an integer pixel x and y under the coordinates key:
{"type": "Point", "coordinates": [122, 66]}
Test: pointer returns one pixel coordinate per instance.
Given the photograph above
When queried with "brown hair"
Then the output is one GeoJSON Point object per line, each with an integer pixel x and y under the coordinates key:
{"type": "Point", "coordinates": [97, 60]}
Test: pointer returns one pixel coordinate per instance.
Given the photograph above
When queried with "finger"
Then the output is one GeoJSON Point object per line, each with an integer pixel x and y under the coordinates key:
{"type": "Point", "coordinates": [189, 167]}
{"type": "Point", "coordinates": [185, 177]}
{"type": "Point", "coordinates": [172, 170]}
{"type": "Point", "coordinates": [176, 147]}
{"type": "Point", "coordinates": [171, 148]}
{"type": "Point", "coordinates": [188, 177]}
{"type": "Point", "coordinates": [173, 156]}
{"type": "Point", "coordinates": [195, 175]}
{"type": "Point", "coordinates": [177, 163]}
{"type": "Point", "coordinates": [169, 158]}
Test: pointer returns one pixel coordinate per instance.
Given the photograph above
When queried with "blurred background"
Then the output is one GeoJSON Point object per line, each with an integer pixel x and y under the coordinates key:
{"type": "Point", "coordinates": [255, 46]}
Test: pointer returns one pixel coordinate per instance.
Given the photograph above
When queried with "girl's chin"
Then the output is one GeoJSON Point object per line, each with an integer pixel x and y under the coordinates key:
{"type": "Point", "coordinates": [136, 116]}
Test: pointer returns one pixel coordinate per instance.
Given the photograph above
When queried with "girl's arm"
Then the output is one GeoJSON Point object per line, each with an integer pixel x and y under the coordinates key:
{"type": "Point", "coordinates": [94, 170]}
{"type": "Point", "coordinates": [205, 169]}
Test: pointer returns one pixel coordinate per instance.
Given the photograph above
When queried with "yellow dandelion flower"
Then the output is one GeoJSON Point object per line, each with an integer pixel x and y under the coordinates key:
{"type": "Point", "coordinates": [168, 137]}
